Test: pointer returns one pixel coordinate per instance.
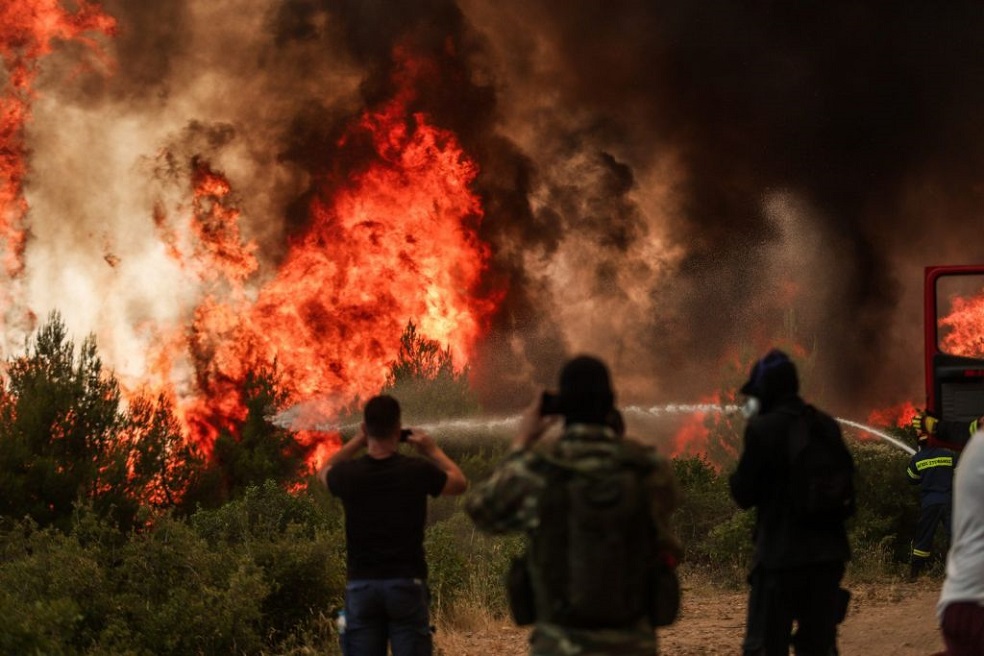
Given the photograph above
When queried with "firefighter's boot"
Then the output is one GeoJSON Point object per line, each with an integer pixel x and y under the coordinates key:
{"type": "Point", "coordinates": [916, 567]}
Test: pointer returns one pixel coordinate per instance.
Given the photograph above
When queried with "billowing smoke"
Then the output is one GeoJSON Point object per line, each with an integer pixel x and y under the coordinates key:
{"type": "Point", "coordinates": [674, 186]}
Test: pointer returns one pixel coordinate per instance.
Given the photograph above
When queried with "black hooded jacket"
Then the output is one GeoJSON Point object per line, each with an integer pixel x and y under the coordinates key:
{"type": "Point", "coordinates": [762, 478]}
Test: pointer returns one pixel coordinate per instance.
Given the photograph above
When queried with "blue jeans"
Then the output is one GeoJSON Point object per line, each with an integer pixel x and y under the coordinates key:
{"type": "Point", "coordinates": [393, 610]}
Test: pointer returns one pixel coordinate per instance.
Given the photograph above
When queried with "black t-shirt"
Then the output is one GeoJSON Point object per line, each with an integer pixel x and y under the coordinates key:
{"type": "Point", "coordinates": [385, 505]}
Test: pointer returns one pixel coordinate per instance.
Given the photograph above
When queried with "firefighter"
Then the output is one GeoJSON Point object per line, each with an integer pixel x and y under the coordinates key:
{"type": "Point", "coordinates": [953, 434]}
{"type": "Point", "coordinates": [931, 468]}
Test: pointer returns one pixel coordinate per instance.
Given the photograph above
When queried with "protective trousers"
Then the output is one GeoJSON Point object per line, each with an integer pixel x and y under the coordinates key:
{"type": "Point", "coordinates": [930, 518]}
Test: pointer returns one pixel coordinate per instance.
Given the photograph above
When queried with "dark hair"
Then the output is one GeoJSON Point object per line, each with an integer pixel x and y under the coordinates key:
{"type": "Point", "coordinates": [586, 391]}
{"type": "Point", "coordinates": [382, 416]}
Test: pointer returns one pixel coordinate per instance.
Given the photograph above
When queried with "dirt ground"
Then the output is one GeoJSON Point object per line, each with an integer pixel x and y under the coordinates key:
{"type": "Point", "coordinates": [894, 619]}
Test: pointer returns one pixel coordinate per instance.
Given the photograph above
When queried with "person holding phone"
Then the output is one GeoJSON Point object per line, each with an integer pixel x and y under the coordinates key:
{"type": "Point", "coordinates": [598, 575]}
{"type": "Point", "coordinates": [384, 496]}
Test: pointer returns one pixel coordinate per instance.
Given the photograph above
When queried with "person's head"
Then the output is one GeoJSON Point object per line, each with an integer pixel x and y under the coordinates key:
{"type": "Point", "coordinates": [382, 417]}
{"type": "Point", "coordinates": [772, 379]}
{"type": "Point", "coordinates": [585, 391]}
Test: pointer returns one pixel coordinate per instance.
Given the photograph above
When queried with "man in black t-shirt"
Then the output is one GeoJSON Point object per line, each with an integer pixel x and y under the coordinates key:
{"type": "Point", "coordinates": [384, 494]}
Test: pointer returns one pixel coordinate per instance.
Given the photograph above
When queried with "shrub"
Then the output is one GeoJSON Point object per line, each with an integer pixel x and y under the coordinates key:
{"type": "Point", "coordinates": [468, 566]}
{"type": "Point", "coordinates": [729, 548]}
{"type": "Point", "coordinates": [888, 506]}
{"type": "Point", "coordinates": [447, 561]}
{"type": "Point", "coordinates": [177, 595]}
{"type": "Point", "coordinates": [53, 594]}
{"type": "Point", "coordinates": [298, 547]}
{"type": "Point", "coordinates": [705, 504]}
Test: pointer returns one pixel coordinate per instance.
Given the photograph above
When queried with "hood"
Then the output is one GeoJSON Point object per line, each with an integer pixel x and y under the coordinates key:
{"type": "Point", "coordinates": [772, 379]}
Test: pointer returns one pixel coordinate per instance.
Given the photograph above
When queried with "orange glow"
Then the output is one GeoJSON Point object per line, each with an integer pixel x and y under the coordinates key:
{"type": "Point", "coordinates": [390, 242]}
{"type": "Point", "coordinates": [28, 28]}
{"type": "Point", "coordinates": [713, 435]}
{"type": "Point", "coordinates": [963, 329]}
{"type": "Point", "coordinates": [897, 416]}
{"type": "Point", "coordinates": [691, 438]}
{"type": "Point", "coordinates": [390, 239]}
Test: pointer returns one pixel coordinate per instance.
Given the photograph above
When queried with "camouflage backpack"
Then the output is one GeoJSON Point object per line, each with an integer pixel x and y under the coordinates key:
{"type": "Point", "coordinates": [592, 561]}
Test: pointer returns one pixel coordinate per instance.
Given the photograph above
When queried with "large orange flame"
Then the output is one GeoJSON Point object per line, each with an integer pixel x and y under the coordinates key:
{"type": "Point", "coordinates": [390, 240]}
{"type": "Point", "coordinates": [394, 242]}
{"type": "Point", "coordinates": [28, 29]}
{"type": "Point", "coordinates": [963, 329]}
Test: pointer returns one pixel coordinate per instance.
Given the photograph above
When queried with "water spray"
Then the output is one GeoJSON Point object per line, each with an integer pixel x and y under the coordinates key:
{"type": "Point", "coordinates": [500, 424]}
{"type": "Point", "coordinates": [682, 408]}
{"type": "Point", "coordinates": [880, 434]}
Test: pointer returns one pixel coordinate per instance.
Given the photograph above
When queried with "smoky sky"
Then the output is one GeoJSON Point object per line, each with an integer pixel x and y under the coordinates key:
{"type": "Point", "coordinates": [846, 104]}
{"type": "Point", "coordinates": [671, 185]}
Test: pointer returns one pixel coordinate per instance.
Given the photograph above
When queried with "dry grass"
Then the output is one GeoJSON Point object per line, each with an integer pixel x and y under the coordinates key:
{"type": "Point", "coordinates": [471, 630]}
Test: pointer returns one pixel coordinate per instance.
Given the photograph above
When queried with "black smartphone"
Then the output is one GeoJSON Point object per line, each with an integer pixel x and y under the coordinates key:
{"type": "Point", "coordinates": [405, 433]}
{"type": "Point", "coordinates": [550, 404]}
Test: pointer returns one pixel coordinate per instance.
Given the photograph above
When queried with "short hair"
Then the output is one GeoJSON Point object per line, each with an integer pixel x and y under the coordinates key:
{"type": "Point", "coordinates": [382, 416]}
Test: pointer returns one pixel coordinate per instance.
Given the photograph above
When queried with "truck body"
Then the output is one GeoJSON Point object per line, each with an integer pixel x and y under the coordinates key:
{"type": "Point", "coordinates": [954, 370]}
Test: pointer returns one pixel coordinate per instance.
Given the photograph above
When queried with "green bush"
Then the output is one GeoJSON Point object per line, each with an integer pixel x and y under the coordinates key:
{"type": "Point", "coordinates": [888, 509]}
{"type": "Point", "coordinates": [447, 561]}
{"type": "Point", "coordinates": [728, 549]}
{"type": "Point", "coordinates": [468, 565]}
{"type": "Point", "coordinates": [53, 593]}
{"type": "Point", "coordinates": [705, 504]}
{"type": "Point", "coordinates": [298, 546]}
{"type": "Point", "coordinates": [174, 594]}
{"type": "Point", "coordinates": [245, 578]}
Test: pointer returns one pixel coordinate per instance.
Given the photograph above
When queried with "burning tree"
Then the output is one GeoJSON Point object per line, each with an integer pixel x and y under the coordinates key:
{"type": "Point", "coordinates": [424, 379]}
{"type": "Point", "coordinates": [253, 450]}
{"type": "Point", "coordinates": [66, 437]}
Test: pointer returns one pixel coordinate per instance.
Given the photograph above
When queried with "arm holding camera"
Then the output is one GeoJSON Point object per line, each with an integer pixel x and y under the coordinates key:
{"type": "Point", "coordinates": [347, 452]}
{"type": "Point", "coordinates": [505, 502]}
{"type": "Point", "coordinates": [535, 421]}
{"type": "Point", "coordinates": [428, 448]}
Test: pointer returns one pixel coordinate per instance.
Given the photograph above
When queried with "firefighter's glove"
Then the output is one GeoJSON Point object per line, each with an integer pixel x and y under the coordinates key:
{"type": "Point", "coordinates": [924, 424]}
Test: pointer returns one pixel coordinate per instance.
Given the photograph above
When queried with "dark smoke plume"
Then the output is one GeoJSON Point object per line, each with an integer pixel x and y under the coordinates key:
{"type": "Point", "coordinates": [673, 186]}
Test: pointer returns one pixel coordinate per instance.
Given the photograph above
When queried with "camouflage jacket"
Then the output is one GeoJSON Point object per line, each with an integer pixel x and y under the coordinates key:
{"type": "Point", "coordinates": [508, 501]}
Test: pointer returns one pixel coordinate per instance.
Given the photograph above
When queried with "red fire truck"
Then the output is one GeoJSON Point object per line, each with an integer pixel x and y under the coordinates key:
{"type": "Point", "coordinates": [954, 369]}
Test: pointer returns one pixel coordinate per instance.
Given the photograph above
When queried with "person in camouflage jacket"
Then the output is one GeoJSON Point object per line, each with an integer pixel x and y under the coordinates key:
{"type": "Point", "coordinates": [511, 499]}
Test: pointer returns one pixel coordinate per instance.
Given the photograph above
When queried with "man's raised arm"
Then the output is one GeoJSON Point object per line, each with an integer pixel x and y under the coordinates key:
{"type": "Point", "coordinates": [427, 447]}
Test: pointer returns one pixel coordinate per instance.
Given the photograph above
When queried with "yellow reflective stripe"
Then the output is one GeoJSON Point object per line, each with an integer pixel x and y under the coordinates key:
{"type": "Point", "coordinates": [921, 553]}
{"type": "Point", "coordinates": [913, 475]}
{"type": "Point", "coordinates": [973, 426]}
{"type": "Point", "coordinates": [942, 461]}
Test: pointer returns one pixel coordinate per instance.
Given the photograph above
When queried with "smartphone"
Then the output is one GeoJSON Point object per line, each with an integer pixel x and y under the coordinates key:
{"type": "Point", "coordinates": [405, 433]}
